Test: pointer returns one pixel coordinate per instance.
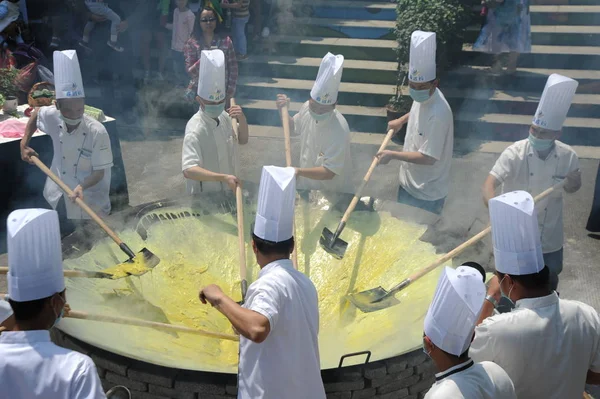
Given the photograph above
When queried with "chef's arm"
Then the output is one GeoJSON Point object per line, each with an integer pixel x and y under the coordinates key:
{"type": "Point", "coordinates": [30, 129]}
{"type": "Point", "coordinates": [488, 308]}
{"type": "Point", "coordinates": [489, 189]}
{"type": "Point", "coordinates": [246, 322]}
{"type": "Point", "coordinates": [412, 157]}
{"type": "Point", "coordinates": [573, 182]}
{"type": "Point", "coordinates": [200, 174]}
{"type": "Point", "coordinates": [592, 378]}
{"type": "Point", "coordinates": [92, 179]}
{"type": "Point", "coordinates": [317, 173]}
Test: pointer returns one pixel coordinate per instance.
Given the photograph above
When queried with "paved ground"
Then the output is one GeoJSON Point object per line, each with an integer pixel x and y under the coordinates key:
{"type": "Point", "coordinates": [153, 157]}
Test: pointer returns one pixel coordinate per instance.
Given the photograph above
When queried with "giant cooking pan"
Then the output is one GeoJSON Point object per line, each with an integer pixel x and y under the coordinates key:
{"type": "Point", "coordinates": [197, 242]}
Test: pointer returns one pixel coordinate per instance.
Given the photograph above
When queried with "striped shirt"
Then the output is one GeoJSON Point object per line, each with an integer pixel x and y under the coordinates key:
{"type": "Point", "coordinates": [243, 11]}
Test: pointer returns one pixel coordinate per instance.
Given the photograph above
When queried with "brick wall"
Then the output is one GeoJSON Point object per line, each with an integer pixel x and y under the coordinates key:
{"type": "Point", "coordinates": [408, 376]}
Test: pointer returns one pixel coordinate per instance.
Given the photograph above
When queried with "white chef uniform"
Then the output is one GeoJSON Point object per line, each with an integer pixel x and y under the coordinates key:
{"type": "Point", "coordinates": [546, 344]}
{"type": "Point", "coordinates": [449, 324]}
{"type": "Point", "coordinates": [31, 366]}
{"type": "Point", "coordinates": [430, 128]}
{"type": "Point", "coordinates": [286, 364]}
{"type": "Point", "coordinates": [326, 143]}
{"type": "Point", "coordinates": [520, 168]}
{"type": "Point", "coordinates": [79, 153]}
{"type": "Point", "coordinates": [209, 144]}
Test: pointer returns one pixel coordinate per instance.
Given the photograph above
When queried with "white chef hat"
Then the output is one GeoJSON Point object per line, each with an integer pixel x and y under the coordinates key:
{"type": "Point", "coordinates": [327, 85]}
{"type": "Point", "coordinates": [555, 102]}
{"type": "Point", "coordinates": [211, 81]}
{"type": "Point", "coordinates": [515, 234]}
{"type": "Point", "coordinates": [455, 308]}
{"type": "Point", "coordinates": [276, 199]}
{"type": "Point", "coordinates": [68, 82]}
{"type": "Point", "coordinates": [421, 66]}
{"type": "Point", "coordinates": [35, 268]}
{"type": "Point", "coordinates": [5, 310]}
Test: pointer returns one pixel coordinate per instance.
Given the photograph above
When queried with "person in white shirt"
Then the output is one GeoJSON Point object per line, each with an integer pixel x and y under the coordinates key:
{"type": "Point", "coordinates": [207, 156]}
{"type": "Point", "coordinates": [427, 153]}
{"type": "Point", "coordinates": [82, 153]}
{"type": "Point", "coordinates": [325, 157]}
{"type": "Point", "coordinates": [7, 317]}
{"type": "Point", "coordinates": [31, 366]}
{"type": "Point", "coordinates": [449, 325]}
{"type": "Point", "coordinates": [279, 321]}
{"type": "Point", "coordinates": [549, 347]}
{"type": "Point", "coordinates": [538, 163]}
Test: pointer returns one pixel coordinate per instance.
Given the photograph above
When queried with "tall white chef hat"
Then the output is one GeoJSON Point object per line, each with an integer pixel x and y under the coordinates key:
{"type": "Point", "coordinates": [455, 308]}
{"type": "Point", "coordinates": [35, 268]}
{"type": "Point", "coordinates": [5, 310]}
{"type": "Point", "coordinates": [421, 66]}
{"type": "Point", "coordinates": [555, 102]}
{"type": "Point", "coordinates": [68, 82]}
{"type": "Point", "coordinates": [515, 234]}
{"type": "Point", "coordinates": [327, 85]}
{"type": "Point", "coordinates": [211, 81]}
{"type": "Point", "coordinates": [276, 199]}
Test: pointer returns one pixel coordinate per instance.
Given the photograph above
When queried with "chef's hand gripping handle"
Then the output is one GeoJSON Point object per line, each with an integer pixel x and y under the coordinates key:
{"type": "Point", "coordinates": [83, 206]}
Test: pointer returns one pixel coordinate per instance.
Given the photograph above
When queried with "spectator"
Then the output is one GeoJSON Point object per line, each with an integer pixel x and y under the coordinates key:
{"type": "Point", "coordinates": [9, 14]}
{"type": "Point", "coordinates": [204, 37]}
{"type": "Point", "coordinates": [99, 7]}
{"type": "Point", "coordinates": [241, 15]}
{"type": "Point", "coordinates": [183, 25]}
{"type": "Point", "coordinates": [507, 30]}
{"type": "Point", "coordinates": [155, 26]}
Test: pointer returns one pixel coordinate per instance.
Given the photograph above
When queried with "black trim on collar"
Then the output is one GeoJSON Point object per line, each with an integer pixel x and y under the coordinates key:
{"type": "Point", "coordinates": [458, 370]}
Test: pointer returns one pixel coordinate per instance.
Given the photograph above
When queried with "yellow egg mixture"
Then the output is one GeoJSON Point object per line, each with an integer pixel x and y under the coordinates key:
{"type": "Point", "coordinates": [202, 250]}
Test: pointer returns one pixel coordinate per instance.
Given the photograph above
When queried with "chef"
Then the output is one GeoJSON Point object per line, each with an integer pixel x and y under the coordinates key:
{"type": "Point", "coordinates": [539, 162]}
{"type": "Point", "coordinates": [279, 321]}
{"type": "Point", "coordinates": [427, 153]}
{"type": "Point", "coordinates": [31, 366]}
{"type": "Point", "coordinates": [7, 318]}
{"type": "Point", "coordinates": [325, 158]}
{"type": "Point", "coordinates": [449, 328]}
{"type": "Point", "coordinates": [82, 153]}
{"type": "Point", "coordinates": [549, 347]}
{"type": "Point", "coordinates": [207, 156]}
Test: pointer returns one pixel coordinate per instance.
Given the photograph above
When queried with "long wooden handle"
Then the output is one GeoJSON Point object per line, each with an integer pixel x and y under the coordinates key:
{"type": "Point", "coordinates": [71, 273]}
{"type": "Point", "coordinates": [460, 249]}
{"type": "Point", "coordinates": [150, 324]}
{"type": "Point", "coordinates": [239, 201]}
{"type": "Point", "coordinates": [367, 177]}
{"type": "Point", "coordinates": [79, 201]}
{"type": "Point", "coordinates": [285, 120]}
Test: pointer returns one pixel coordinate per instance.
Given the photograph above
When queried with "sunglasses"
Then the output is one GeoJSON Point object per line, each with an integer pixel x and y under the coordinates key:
{"type": "Point", "coordinates": [207, 20]}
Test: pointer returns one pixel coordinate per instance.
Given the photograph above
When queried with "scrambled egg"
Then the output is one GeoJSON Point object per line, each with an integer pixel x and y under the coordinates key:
{"type": "Point", "coordinates": [202, 249]}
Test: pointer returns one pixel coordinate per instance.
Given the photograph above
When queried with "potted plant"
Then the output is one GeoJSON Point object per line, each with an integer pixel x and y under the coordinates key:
{"type": "Point", "coordinates": [449, 19]}
{"type": "Point", "coordinates": [8, 88]}
{"type": "Point", "coordinates": [399, 105]}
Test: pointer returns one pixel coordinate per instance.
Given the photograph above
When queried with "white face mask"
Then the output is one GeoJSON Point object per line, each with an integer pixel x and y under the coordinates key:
{"type": "Point", "coordinates": [71, 122]}
{"type": "Point", "coordinates": [509, 291]}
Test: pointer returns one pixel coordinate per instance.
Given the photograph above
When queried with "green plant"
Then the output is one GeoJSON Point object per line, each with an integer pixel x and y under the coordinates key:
{"type": "Point", "coordinates": [7, 82]}
{"type": "Point", "coordinates": [399, 102]}
{"type": "Point", "coordinates": [447, 18]}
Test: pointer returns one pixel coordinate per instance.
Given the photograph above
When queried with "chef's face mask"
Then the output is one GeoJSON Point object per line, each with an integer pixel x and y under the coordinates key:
{"type": "Point", "coordinates": [213, 110]}
{"type": "Point", "coordinates": [71, 110]}
{"type": "Point", "coordinates": [59, 315]}
{"type": "Point", "coordinates": [421, 92]}
{"type": "Point", "coordinates": [319, 112]}
{"type": "Point", "coordinates": [507, 296]}
{"type": "Point", "coordinates": [541, 140]}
